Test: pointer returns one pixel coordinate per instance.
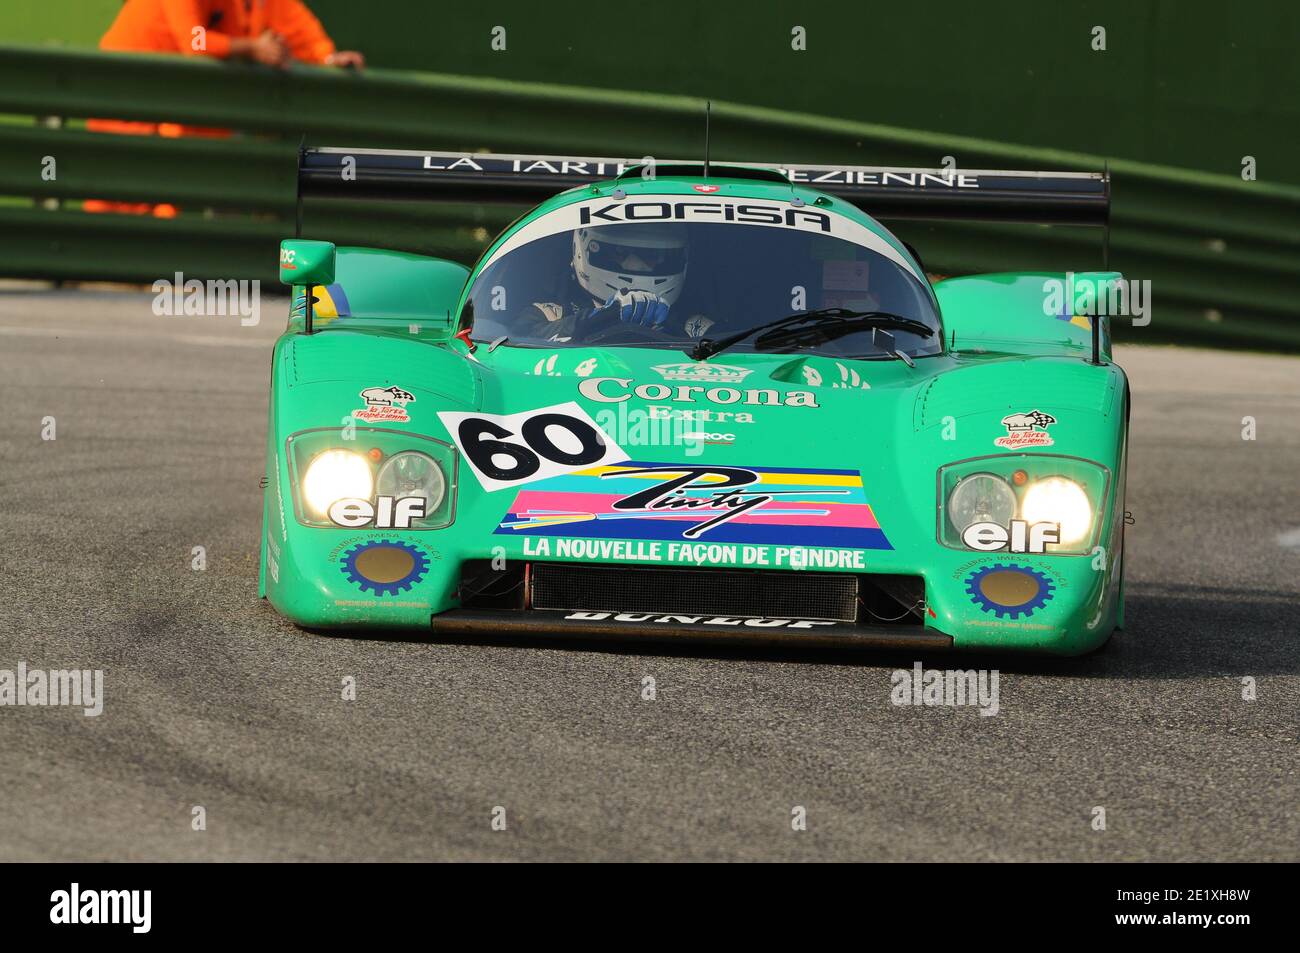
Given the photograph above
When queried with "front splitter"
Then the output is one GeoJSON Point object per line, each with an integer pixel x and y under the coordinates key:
{"type": "Point", "coordinates": [645, 627]}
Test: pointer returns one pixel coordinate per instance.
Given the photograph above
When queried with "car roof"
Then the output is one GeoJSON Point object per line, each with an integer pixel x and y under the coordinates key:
{"type": "Point", "coordinates": [720, 185]}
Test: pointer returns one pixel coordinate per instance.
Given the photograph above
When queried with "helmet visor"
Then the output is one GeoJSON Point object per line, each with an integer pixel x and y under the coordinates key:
{"type": "Point", "coordinates": [626, 259]}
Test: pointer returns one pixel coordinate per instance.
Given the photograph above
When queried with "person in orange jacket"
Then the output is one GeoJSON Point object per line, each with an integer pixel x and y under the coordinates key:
{"type": "Point", "coordinates": [264, 31]}
{"type": "Point", "coordinates": [271, 32]}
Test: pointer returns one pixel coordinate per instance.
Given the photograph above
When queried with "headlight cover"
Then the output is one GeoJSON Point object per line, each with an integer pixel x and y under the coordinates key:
{"type": "Point", "coordinates": [1035, 504]}
{"type": "Point", "coordinates": [377, 479]}
{"type": "Point", "coordinates": [981, 497]}
{"type": "Point", "coordinates": [411, 473]}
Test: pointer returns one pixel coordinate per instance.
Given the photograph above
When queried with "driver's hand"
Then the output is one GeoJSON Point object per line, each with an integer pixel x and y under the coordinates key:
{"type": "Point", "coordinates": [637, 307]}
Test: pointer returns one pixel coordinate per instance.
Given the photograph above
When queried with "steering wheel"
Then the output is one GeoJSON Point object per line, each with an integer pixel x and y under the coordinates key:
{"type": "Point", "coordinates": [617, 331]}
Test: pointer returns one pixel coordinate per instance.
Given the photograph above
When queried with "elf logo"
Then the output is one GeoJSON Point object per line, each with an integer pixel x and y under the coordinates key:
{"type": "Point", "coordinates": [1021, 537]}
{"type": "Point", "coordinates": [706, 189]}
{"type": "Point", "coordinates": [76, 906]}
{"type": "Point", "coordinates": [385, 513]}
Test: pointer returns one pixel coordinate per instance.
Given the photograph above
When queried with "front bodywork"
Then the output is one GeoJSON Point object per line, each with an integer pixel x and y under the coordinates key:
{"type": "Point", "coordinates": [845, 460]}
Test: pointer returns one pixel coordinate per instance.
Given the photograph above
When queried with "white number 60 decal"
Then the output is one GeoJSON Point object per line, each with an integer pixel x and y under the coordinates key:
{"type": "Point", "coordinates": [507, 450]}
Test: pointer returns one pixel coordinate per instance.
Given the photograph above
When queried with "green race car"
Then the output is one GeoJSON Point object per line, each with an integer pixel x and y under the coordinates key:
{"type": "Point", "coordinates": [702, 402]}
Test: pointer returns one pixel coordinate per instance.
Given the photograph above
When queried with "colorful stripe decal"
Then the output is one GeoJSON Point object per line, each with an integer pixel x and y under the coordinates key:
{"type": "Point", "coordinates": [780, 506]}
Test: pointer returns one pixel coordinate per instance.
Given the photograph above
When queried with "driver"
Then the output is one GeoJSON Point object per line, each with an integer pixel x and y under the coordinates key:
{"type": "Point", "coordinates": [632, 273]}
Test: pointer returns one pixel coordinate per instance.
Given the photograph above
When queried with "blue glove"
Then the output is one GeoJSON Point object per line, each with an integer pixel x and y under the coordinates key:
{"type": "Point", "coordinates": [638, 307]}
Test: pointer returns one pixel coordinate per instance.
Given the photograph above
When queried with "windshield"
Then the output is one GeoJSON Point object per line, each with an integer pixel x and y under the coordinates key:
{"type": "Point", "coordinates": [671, 283]}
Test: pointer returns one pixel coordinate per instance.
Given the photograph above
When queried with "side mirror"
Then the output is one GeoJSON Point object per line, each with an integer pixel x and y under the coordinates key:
{"type": "Point", "coordinates": [306, 263]}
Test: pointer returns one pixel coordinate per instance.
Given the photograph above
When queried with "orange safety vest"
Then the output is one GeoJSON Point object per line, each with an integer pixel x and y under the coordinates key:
{"type": "Point", "coordinates": [200, 28]}
{"type": "Point", "coordinates": [206, 27]}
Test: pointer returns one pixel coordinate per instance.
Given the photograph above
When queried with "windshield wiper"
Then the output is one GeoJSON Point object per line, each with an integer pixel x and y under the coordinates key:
{"type": "Point", "coordinates": [823, 324]}
{"type": "Point", "coordinates": [884, 341]}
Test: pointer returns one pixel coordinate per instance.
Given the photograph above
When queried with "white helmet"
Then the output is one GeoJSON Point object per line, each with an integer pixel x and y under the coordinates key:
{"type": "Point", "coordinates": [608, 259]}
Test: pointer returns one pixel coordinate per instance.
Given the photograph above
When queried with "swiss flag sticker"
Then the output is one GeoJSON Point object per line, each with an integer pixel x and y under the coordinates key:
{"type": "Point", "coordinates": [706, 188]}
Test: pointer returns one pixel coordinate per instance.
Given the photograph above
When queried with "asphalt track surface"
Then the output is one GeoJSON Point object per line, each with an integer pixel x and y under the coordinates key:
{"type": "Point", "coordinates": [213, 700]}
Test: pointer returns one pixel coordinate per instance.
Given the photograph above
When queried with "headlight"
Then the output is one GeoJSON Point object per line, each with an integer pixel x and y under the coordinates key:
{"type": "Point", "coordinates": [412, 473]}
{"type": "Point", "coordinates": [336, 475]}
{"type": "Point", "coordinates": [981, 498]}
{"type": "Point", "coordinates": [1046, 505]}
{"type": "Point", "coordinates": [1058, 500]}
{"type": "Point", "coordinates": [382, 479]}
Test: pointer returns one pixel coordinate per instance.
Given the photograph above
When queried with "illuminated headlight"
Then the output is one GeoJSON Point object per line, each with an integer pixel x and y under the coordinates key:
{"type": "Point", "coordinates": [412, 473]}
{"type": "Point", "coordinates": [981, 498]}
{"type": "Point", "coordinates": [1058, 500]}
{"type": "Point", "coordinates": [336, 475]}
{"type": "Point", "coordinates": [373, 478]}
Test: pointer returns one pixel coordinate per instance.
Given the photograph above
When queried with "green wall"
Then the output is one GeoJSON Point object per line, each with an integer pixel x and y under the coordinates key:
{"type": "Point", "coordinates": [56, 22]}
{"type": "Point", "coordinates": [1195, 83]}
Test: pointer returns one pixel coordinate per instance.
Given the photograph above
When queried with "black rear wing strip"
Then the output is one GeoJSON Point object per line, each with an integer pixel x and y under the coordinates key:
{"type": "Point", "coordinates": [1067, 198]}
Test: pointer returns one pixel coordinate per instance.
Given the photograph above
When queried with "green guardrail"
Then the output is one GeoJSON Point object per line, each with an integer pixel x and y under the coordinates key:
{"type": "Point", "coordinates": [1223, 255]}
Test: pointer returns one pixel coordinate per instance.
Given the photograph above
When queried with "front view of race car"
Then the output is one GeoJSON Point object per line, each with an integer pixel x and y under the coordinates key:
{"type": "Point", "coordinates": [724, 409]}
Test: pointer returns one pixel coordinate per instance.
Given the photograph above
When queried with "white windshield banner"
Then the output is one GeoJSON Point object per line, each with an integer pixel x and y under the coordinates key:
{"type": "Point", "coordinates": [643, 209]}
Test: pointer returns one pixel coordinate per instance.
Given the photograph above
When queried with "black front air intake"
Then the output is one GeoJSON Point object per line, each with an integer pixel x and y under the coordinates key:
{"type": "Point", "coordinates": [695, 591]}
{"type": "Point", "coordinates": [652, 603]}
{"type": "Point", "coordinates": [867, 599]}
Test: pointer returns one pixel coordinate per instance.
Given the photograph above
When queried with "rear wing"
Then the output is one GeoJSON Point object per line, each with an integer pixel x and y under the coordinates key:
{"type": "Point", "coordinates": [1060, 198]}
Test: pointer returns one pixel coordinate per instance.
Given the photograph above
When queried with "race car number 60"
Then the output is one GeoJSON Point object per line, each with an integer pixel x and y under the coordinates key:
{"type": "Point", "coordinates": [512, 449]}
{"type": "Point", "coordinates": [472, 435]}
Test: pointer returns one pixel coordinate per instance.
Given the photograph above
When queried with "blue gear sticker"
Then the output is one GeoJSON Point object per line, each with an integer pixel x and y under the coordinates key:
{"type": "Point", "coordinates": [384, 567]}
{"type": "Point", "coordinates": [998, 588]}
